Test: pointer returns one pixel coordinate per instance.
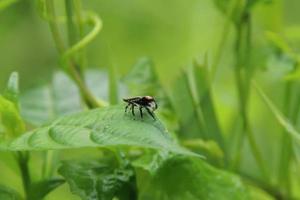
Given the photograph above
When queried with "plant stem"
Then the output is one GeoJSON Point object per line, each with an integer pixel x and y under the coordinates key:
{"type": "Point", "coordinates": [226, 29]}
{"type": "Point", "coordinates": [242, 82]}
{"type": "Point", "coordinates": [67, 62]}
{"type": "Point", "coordinates": [22, 159]}
{"type": "Point", "coordinates": [286, 145]}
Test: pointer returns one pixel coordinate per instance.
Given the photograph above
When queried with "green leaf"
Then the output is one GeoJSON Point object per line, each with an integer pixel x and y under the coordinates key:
{"type": "Point", "coordinates": [40, 189]}
{"type": "Point", "coordinates": [185, 107]}
{"type": "Point", "coordinates": [45, 103]}
{"type": "Point", "coordinates": [100, 180]}
{"type": "Point", "coordinates": [101, 127]}
{"type": "Point", "coordinates": [142, 79]}
{"type": "Point", "coordinates": [206, 103]}
{"type": "Point", "coordinates": [8, 194]}
{"type": "Point", "coordinates": [61, 96]}
{"type": "Point", "coordinates": [12, 89]}
{"type": "Point", "coordinates": [180, 178]}
{"type": "Point", "coordinates": [11, 124]}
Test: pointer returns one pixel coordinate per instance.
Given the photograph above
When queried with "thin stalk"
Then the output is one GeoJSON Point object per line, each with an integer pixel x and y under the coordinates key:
{"type": "Point", "coordinates": [54, 27]}
{"type": "Point", "coordinates": [71, 26]}
{"type": "Point", "coordinates": [67, 63]}
{"type": "Point", "coordinates": [22, 159]}
{"type": "Point", "coordinates": [286, 145]}
{"type": "Point", "coordinates": [224, 34]}
{"type": "Point", "coordinates": [242, 82]}
{"type": "Point", "coordinates": [79, 22]}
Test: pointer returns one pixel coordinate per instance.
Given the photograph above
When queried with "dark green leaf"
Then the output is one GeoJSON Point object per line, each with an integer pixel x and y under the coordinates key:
{"type": "Point", "coordinates": [40, 189]}
{"type": "Point", "coordinates": [8, 194]}
{"type": "Point", "coordinates": [101, 180]}
{"type": "Point", "coordinates": [181, 178]}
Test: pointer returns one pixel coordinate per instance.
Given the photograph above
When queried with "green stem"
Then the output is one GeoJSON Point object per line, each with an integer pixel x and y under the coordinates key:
{"type": "Point", "coordinates": [72, 31]}
{"type": "Point", "coordinates": [67, 63]}
{"type": "Point", "coordinates": [224, 34]}
{"type": "Point", "coordinates": [286, 145]}
{"type": "Point", "coordinates": [22, 160]}
{"type": "Point", "coordinates": [79, 22]}
{"type": "Point", "coordinates": [243, 43]}
{"type": "Point", "coordinates": [54, 27]}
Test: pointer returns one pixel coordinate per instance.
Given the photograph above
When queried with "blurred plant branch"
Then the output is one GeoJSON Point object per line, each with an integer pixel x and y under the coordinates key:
{"type": "Point", "coordinates": [67, 62]}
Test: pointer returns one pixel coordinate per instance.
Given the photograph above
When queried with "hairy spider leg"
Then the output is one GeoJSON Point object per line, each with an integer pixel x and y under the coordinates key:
{"type": "Point", "coordinates": [141, 112]}
{"type": "Point", "coordinates": [132, 109]}
{"type": "Point", "coordinates": [149, 111]}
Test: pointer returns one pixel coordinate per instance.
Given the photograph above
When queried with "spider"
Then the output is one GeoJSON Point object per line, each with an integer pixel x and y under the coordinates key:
{"type": "Point", "coordinates": [146, 102]}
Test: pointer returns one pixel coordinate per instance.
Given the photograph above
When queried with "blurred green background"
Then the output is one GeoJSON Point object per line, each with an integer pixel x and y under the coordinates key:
{"type": "Point", "coordinates": [172, 33]}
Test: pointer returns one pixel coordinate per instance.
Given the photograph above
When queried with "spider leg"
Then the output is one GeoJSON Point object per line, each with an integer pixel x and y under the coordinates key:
{"type": "Point", "coordinates": [126, 107]}
{"type": "Point", "coordinates": [132, 109]}
{"type": "Point", "coordinates": [151, 113]}
{"type": "Point", "coordinates": [141, 112]}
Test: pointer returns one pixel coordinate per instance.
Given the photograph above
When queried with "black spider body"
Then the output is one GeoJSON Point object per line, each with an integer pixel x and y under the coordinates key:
{"type": "Point", "coordinates": [146, 102]}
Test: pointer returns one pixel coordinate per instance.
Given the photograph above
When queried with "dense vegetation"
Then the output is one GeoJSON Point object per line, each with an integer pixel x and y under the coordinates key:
{"type": "Point", "coordinates": [224, 74]}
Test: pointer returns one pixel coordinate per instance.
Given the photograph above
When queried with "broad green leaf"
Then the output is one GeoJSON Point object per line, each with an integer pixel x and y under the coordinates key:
{"type": "Point", "coordinates": [40, 189]}
{"type": "Point", "coordinates": [8, 194]}
{"type": "Point", "coordinates": [11, 124]}
{"type": "Point", "coordinates": [179, 178]}
{"type": "Point", "coordinates": [282, 120]}
{"type": "Point", "coordinates": [101, 127]}
{"type": "Point", "coordinates": [12, 89]}
{"type": "Point", "coordinates": [101, 180]}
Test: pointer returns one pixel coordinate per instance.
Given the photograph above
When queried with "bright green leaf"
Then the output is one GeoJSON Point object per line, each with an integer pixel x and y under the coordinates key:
{"type": "Point", "coordinates": [101, 127]}
{"type": "Point", "coordinates": [11, 124]}
{"type": "Point", "coordinates": [180, 178]}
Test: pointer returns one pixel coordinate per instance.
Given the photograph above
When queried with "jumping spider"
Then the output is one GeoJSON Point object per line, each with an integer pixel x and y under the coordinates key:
{"type": "Point", "coordinates": [146, 102]}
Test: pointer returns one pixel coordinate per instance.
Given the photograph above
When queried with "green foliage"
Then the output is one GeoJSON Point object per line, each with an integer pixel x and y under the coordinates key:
{"type": "Point", "coordinates": [101, 180]}
{"type": "Point", "coordinates": [189, 179]}
{"type": "Point", "coordinates": [12, 89]}
{"type": "Point", "coordinates": [45, 103]}
{"type": "Point", "coordinates": [98, 128]}
{"type": "Point", "coordinates": [142, 79]}
{"type": "Point", "coordinates": [8, 194]}
{"type": "Point", "coordinates": [11, 124]}
{"type": "Point", "coordinates": [282, 120]}
{"type": "Point", "coordinates": [40, 189]}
